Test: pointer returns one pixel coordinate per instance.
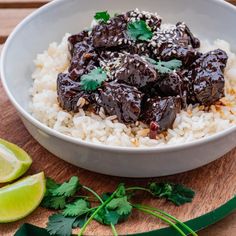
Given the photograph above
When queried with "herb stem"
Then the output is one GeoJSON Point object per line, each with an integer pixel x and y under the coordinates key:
{"type": "Point", "coordinates": [97, 210]}
{"type": "Point", "coordinates": [141, 208]}
{"type": "Point", "coordinates": [100, 199]}
{"type": "Point", "coordinates": [138, 188]}
{"type": "Point", "coordinates": [171, 217]}
{"type": "Point", "coordinates": [85, 197]}
{"type": "Point", "coordinates": [93, 192]}
{"type": "Point", "coordinates": [114, 230]}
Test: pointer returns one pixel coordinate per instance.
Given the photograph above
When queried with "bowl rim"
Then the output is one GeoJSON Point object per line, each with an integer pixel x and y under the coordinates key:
{"type": "Point", "coordinates": [104, 147]}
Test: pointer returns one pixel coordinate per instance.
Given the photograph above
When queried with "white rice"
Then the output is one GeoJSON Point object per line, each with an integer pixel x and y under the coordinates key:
{"type": "Point", "coordinates": [191, 124]}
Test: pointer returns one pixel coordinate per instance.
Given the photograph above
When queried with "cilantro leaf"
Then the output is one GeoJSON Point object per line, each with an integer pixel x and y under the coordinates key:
{"type": "Point", "coordinates": [121, 191]}
{"type": "Point", "coordinates": [93, 80]}
{"type": "Point", "coordinates": [68, 189]}
{"type": "Point", "coordinates": [165, 67]}
{"type": "Point", "coordinates": [172, 64]}
{"type": "Point", "coordinates": [50, 201]}
{"type": "Point", "coordinates": [181, 195]}
{"type": "Point", "coordinates": [77, 208]}
{"type": "Point", "coordinates": [80, 221]}
{"type": "Point", "coordinates": [176, 193]}
{"type": "Point", "coordinates": [120, 205]}
{"type": "Point", "coordinates": [51, 185]}
{"type": "Point", "coordinates": [139, 30]}
{"type": "Point", "coordinates": [112, 217]}
{"type": "Point", "coordinates": [60, 225]}
{"type": "Point", "coordinates": [102, 16]}
{"type": "Point", "coordinates": [117, 210]}
{"type": "Point", "coordinates": [101, 218]}
{"type": "Point", "coordinates": [107, 217]}
{"type": "Point", "coordinates": [58, 202]}
{"type": "Point", "coordinates": [54, 202]}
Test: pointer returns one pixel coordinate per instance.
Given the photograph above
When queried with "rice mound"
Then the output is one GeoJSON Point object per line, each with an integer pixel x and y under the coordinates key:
{"type": "Point", "coordinates": [191, 124]}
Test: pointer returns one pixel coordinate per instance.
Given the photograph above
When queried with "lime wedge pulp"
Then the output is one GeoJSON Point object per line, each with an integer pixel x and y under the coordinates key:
{"type": "Point", "coordinates": [19, 199]}
{"type": "Point", "coordinates": [14, 161]}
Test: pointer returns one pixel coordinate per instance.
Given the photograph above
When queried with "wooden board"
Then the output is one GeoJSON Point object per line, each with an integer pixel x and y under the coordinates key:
{"type": "Point", "coordinates": [214, 183]}
{"type": "Point", "coordinates": [22, 3]}
{"type": "Point", "coordinates": [9, 18]}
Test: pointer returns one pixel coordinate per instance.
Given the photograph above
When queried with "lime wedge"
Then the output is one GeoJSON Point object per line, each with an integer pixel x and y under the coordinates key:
{"type": "Point", "coordinates": [14, 161]}
{"type": "Point", "coordinates": [19, 199]}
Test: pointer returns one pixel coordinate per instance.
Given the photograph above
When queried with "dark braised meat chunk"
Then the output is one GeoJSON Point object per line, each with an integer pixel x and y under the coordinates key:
{"type": "Point", "coordinates": [84, 59]}
{"type": "Point", "coordinates": [174, 84]}
{"type": "Point", "coordinates": [136, 71]}
{"type": "Point", "coordinates": [69, 92]}
{"type": "Point", "coordinates": [207, 77]}
{"type": "Point", "coordinates": [152, 20]}
{"type": "Point", "coordinates": [121, 100]}
{"type": "Point", "coordinates": [76, 38]}
{"type": "Point", "coordinates": [140, 48]}
{"type": "Point", "coordinates": [188, 38]}
{"type": "Point", "coordinates": [175, 42]}
{"type": "Point", "coordinates": [186, 54]}
{"type": "Point", "coordinates": [111, 34]}
{"type": "Point", "coordinates": [160, 112]}
{"type": "Point", "coordinates": [109, 61]}
{"type": "Point", "coordinates": [185, 36]}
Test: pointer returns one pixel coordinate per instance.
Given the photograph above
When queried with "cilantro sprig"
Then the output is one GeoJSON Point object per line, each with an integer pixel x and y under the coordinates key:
{"type": "Point", "coordinates": [165, 67]}
{"type": "Point", "coordinates": [102, 16]}
{"type": "Point", "coordinates": [139, 30]}
{"type": "Point", "coordinates": [109, 208]}
{"type": "Point", "coordinates": [176, 193]}
{"type": "Point", "coordinates": [57, 195]}
{"type": "Point", "coordinates": [93, 80]}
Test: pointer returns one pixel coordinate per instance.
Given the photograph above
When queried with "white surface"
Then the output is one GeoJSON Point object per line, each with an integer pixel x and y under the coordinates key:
{"type": "Point", "coordinates": [210, 19]}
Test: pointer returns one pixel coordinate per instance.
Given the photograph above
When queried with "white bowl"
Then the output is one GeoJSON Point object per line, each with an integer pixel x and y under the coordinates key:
{"type": "Point", "coordinates": [209, 19]}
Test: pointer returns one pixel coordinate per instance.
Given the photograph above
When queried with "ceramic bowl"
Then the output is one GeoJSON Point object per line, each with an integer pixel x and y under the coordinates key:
{"type": "Point", "coordinates": [208, 19]}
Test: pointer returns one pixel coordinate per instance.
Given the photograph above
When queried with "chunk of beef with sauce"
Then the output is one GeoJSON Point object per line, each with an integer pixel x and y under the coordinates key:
{"type": "Point", "coordinates": [207, 78]}
{"type": "Point", "coordinates": [84, 59]}
{"type": "Point", "coordinates": [70, 94]}
{"type": "Point", "coordinates": [136, 71]}
{"type": "Point", "coordinates": [140, 48]}
{"type": "Point", "coordinates": [175, 42]}
{"type": "Point", "coordinates": [174, 84]}
{"type": "Point", "coordinates": [160, 113]}
{"type": "Point", "coordinates": [110, 61]}
{"type": "Point", "coordinates": [121, 100]}
{"type": "Point", "coordinates": [152, 20]}
{"type": "Point", "coordinates": [185, 37]}
{"type": "Point", "coordinates": [77, 38]}
{"type": "Point", "coordinates": [185, 54]}
{"type": "Point", "coordinates": [111, 34]}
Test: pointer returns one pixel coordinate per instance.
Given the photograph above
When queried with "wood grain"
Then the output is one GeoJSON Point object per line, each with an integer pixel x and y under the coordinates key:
{"type": "Point", "coordinates": [211, 192]}
{"type": "Point", "coordinates": [9, 18]}
{"type": "Point", "coordinates": [232, 2]}
{"type": "Point", "coordinates": [22, 3]}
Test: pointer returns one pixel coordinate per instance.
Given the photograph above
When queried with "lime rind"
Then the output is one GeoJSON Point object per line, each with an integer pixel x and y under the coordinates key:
{"type": "Point", "coordinates": [18, 161]}
{"type": "Point", "coordinates": [19, 152]}
{"type": "Point", "coordinates": [21, 198]}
